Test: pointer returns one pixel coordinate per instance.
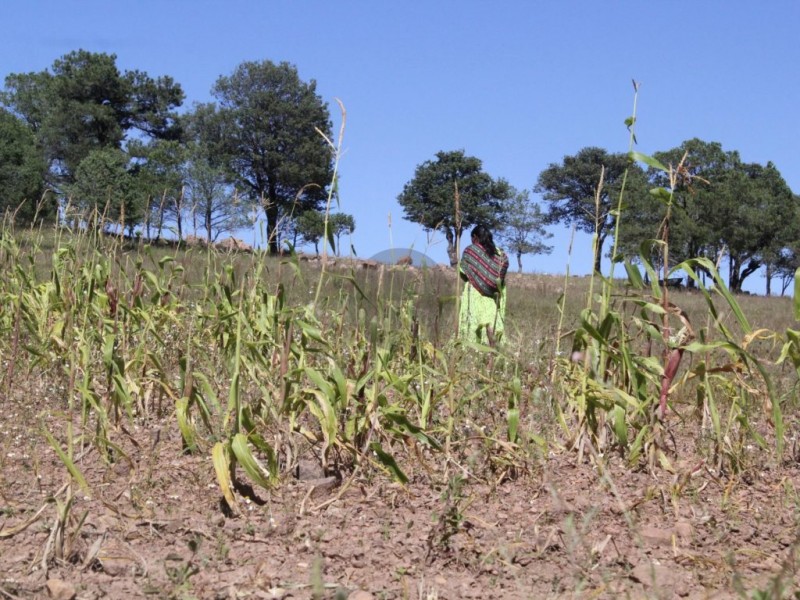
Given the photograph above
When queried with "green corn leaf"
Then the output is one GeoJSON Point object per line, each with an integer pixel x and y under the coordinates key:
{"type": "Point", "coordinates": [326, 415]}
{"type": "Point", "coordinates": [648, 160]}
{"type": "Point", "coordinates": [403, 425]}
{"type": "Point", "coordinates": [185, 424]}
{"type": "Point", "coordinates": [638, 445]}
{"type": "Point", "coordinates": [512, 418]}
{"type": "Point", "coordinates": [263, 447]}
{"type": "Point", "coordinates": [221, 459]}
{"type": "Point", "coordinates": [634, 276]}
{"type": "Point", "coordinates": [341, 383]}
{"type": "Point", "coordinates": [318, 380]}
{"type": "Point", "coordinates": [620, 425]}
{"type": "Point", "coordinates": [331, 240]}
{"type": "Point", "coordinates": [311, 332]}
{"type": "Point", "coordinates": [797, 295]}
{"type": "Point", "coordinates": [73, 469]}
{"type": "Point", "coordinates": [122, 393]}
{"type": "Point", "coordinates": [662, 194]}
{"type": "Point", "coordinates": [387, 461]}
{"type": "Point", "coordinates": [250, 463]}
{"type": "Point", "coordinates": [207, 391]}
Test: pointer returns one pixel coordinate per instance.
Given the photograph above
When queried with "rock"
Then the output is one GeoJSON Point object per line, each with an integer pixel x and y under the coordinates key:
{"type": "Point", "coordinates": [117, 566]}
{"type": "Point", "coordinates": [308, 470]}
{"type": "Point", "coordinates": [656, 536]}
{"type": "Point", "coordinates": [60, 590]}
{"type": "Point", "coordinates": [360, 595]}
{"type": "Point", "coordinates": [193, 240]}
{"type": "Point", "coordinates": [233, 244]}
{"type": "Point", "coordinates": [654, 575]}
{"type": "Point", "coordinates": [684, 530]}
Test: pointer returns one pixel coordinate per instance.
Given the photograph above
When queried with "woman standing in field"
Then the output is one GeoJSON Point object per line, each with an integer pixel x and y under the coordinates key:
{"type": "Point", "coordinates": [483, 303]}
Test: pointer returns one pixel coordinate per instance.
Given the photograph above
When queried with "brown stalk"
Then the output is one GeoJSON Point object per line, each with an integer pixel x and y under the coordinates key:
{"type": "Point", "coordinates": [673, 358]}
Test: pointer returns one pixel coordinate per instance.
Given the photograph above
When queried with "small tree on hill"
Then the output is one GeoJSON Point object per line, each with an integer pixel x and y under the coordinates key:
{"type": "Point", "coordinates": [104, 188]}
{"type": "Point", "coordinates": [452, 193]}
{"type": "Point", "coordinates": [310, 225]}
{"type": "Point", "coordinates": [524, 228]}
{"type": "Point", "coordinates": [341, 224]}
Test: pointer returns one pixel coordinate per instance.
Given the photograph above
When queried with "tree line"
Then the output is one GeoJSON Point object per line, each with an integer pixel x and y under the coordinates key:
{"type": "Point", "coordinates": [83, 140]}
{"type": "Point", "coordinates": [722, 208]}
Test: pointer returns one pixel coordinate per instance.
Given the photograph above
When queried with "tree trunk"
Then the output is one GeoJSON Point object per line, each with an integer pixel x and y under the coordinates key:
{"type": "Point", "coordinates": [147, 210]}
{"type": "Point", "coordinates": [598, 256]}
{"type": "Point", "coordinates": [452, 253]}
{"type": "Point", "coordinates": [271, 212]}
{"type": "Point", "coordinates": [768, 275]}
{"type": "Point", "coordinates": [734, 280]}
{"type": "Point", "coordinates": [519, 261]}
{"type": "Point", "coordinates": [752, 266]}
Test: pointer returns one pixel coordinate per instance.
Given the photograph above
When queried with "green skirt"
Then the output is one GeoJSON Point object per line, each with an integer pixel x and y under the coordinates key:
{"type": "Point", "coordinates": [480, 312]}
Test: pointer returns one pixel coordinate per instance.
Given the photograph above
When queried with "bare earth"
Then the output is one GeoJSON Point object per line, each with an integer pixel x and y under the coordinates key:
{"type": "Point", "coordinates": [153, 527]}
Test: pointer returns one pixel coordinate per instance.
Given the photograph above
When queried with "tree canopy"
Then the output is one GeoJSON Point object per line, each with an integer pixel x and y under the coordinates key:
{"type": "Point", "coordinates": [524, 231]}
{"type": "Point", "coordinates": [574, 192]}
{"type": "Point", "coordinates": [103, 189]}
{"type": "Point", "coordinates": [452, 193]}
{"type": "Point", "coordinates": [271, 140]}
{"type": "Point", "coordinates": [341, 224]}
{"type": "Point", "coordinates": [22, 169]}
{"type": "Point", "coordinates": [85, 103]}
{"type": "Point", "coordinates": [721, 207]}
{"type": "Point", "coordinates": [310, 226]}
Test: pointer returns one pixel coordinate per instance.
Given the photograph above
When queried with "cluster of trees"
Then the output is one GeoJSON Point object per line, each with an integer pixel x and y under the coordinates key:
{"type": "Point", "coordinates": [83, 139]}
{"type": "Point", "coordinates": [453, 193]}
{"type": "Point", "coordinates": [721, 208]}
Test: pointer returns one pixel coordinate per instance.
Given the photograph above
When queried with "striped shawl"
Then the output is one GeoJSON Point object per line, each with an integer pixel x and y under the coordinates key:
{"type": "Point", "coordinates": [486, 273]}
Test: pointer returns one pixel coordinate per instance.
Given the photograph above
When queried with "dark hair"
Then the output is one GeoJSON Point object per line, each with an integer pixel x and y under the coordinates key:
{"type": "Point", "coordinates": [484, 237]}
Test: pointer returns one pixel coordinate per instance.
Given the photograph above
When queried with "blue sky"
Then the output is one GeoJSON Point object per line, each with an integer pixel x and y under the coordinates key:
{"type": "Point", "coordinates": [517, 83]}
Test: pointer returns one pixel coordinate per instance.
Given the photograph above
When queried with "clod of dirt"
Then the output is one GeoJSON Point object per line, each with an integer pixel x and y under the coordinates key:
{"type": "Point", "coordinates": [360, 595]}
{"type": "Point", "coordinates": [60, 590]}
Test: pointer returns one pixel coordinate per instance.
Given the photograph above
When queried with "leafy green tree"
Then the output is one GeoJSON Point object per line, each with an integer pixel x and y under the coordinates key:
{"type": "Point", "coordinates": [571, 189]}
{"type": "Point", "coordinates": [341, 224]}
{"type": "Point", "coordinates": [211, 196]}
{"type": "Point", "coordinates": [452, 193]}
{"type": "Point", "coordinates": [85, 103]}
{"type": "Point", "coordinates": [272, 122]}
{"type": "Point", "coordinates": [722, 207]}
{"type": "Point", "coordinates": [159, 178]}
{"type": "Point", "coordinates": [310, 226]}
{"type": "Point", "coordinates": [22, 169]}
{"type": "Point", "coordinates": [102, 190]}
{"type": "Point", "coordinates": [524, 231]}
{"type": "Point", "coordinates": [786, 264]}
{"type": "Point", "coordinates": [761, 219]}
{"type": "Point", "coordinates": [701, 170]}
